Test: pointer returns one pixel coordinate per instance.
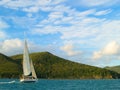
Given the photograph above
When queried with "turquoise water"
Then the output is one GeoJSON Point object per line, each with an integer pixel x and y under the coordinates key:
{"type": "Point", "coordinates": [11, 84]}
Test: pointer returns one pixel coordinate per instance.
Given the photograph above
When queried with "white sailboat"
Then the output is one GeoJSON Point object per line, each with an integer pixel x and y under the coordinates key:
{"type": "Point", "coordinates": [29, 74]}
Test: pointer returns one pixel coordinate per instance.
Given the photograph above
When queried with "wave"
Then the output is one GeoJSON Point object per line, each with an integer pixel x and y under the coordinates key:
{"type": "Point", "coordinates": [7, 82]}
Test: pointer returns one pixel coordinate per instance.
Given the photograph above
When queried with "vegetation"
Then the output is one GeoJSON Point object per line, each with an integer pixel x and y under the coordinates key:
{"type": "Point", "coordinates": [8, 68]}
{"type": "Point", "coordinates": [49, 66]}
{"type": "Point", "coordinates": [114, 68]}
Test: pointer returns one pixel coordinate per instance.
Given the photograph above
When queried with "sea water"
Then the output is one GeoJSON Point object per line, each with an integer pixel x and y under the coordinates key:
{"type": "Point", "coordinates": [14, 84]}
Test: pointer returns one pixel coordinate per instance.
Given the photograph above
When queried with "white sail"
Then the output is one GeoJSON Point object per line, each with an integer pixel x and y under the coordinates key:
{"type": "Point", "coordinates": [26, 61]}
{"type": "Point", "coordinates": [33, 70]}
{"type": "Point", "coordinates": [29, 74]}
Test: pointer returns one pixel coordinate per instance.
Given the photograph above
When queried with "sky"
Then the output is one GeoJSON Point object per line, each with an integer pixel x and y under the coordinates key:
{"type": "Point", "coordinates": [83, 31]}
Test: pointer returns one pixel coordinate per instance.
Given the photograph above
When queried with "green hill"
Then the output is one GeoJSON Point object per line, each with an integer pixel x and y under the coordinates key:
{"type": "Point", "coordinates": [8, 67]}
{"type": "Point", "coordinates": [114, 68]}
{"type": "Point", "coordinates": [49, 66]}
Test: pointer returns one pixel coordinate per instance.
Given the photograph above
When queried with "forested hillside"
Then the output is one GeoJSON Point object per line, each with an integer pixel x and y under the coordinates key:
{"type": "Point", "coordinates": [49, 66]}
{"type": "Point", "coordinates": [114, 68]}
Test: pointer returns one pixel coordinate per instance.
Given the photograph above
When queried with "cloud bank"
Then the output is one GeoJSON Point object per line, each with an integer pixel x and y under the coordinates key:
{"type": "Point", "coordinates": [112, 48]}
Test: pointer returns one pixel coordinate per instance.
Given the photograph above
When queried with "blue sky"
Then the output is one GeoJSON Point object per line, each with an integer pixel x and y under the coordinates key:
{"type": "Point", "coordinates": [84, 31]}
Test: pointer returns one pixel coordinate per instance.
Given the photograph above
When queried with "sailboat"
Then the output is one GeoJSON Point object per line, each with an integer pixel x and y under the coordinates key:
{"type": "Point", "coordinates": [29, 74]}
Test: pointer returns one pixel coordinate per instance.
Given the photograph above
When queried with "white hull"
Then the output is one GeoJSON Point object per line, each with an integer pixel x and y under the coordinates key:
{"type": "Point", "coordinates": [28, 80]}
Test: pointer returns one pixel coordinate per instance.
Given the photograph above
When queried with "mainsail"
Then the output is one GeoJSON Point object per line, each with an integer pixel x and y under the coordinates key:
{"type": "Point", "coordinates": [26, 61]}
{"type": "Point", "coordinates": [28, 67]}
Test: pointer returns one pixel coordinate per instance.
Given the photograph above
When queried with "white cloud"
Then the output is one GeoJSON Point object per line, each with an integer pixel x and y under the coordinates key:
{"type": "Point", "coordinates": [68, 48]}
{"type": "Point", "coordinates": [79, 23]}
{"type": "Point", "coordinates": [4, 2]}
{"type": "Point", "coordinates": [104, 12]}
{"type": "Point", "coordinates": [11, 46]}
{"type": "Point", "coordinates": [17, 3]}
{"type": "Point", "coordinates": [78, 29]}
{"type": "Point", "coordinates": [46, 8]}
{"type": "Point", "coordinates": [55, 15]}
{"type": "Point", "coordinates": [112, 48]}
{"type": "Point", "coordinates": [16, 46]}
{"type": "Point", "coordinates": [61, 8]}
{"type": "Point", "coordinates": [58, 1]}
{"type": "Point", "coordinates": [109, 31]}
{"type": "Point", "coordinates": [80, 26]}
{"type": "Point", "coordinates": [30, 5]}
{"type": "Point", "coordinates": [31, 9]}
{"type": "Point", "coordinates": [47, 30]}
{"type": "Point", "coordinates": [97, 55]}
{"type": "Point", "coordinates": [87, 12]}
{"type": "Point", "coordinates": [96, 29]}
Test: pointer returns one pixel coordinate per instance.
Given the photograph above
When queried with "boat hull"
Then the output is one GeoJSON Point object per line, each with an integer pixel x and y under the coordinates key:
{"type": "Point", "coordinates": [28, 80]}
